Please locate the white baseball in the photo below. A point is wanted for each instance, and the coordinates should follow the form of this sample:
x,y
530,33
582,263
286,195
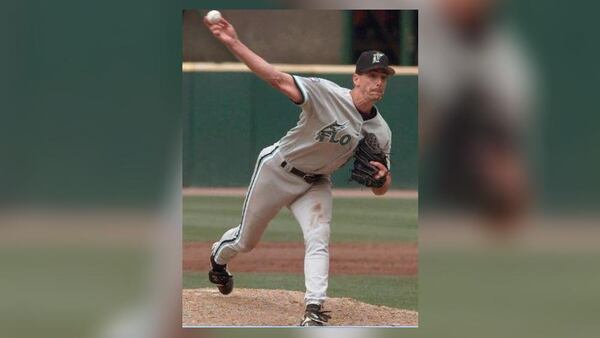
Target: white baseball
x,y
213,16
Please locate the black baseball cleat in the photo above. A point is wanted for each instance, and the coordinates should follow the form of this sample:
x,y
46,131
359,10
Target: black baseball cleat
x,y
313,316
221,277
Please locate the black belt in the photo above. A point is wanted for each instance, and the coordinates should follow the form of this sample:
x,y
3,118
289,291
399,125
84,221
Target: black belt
x,y
309,178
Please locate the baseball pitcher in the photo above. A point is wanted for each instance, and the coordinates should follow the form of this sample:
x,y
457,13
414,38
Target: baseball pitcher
x,y
335,125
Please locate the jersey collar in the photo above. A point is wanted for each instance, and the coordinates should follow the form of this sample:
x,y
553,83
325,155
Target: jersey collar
x,y
370,116
374,111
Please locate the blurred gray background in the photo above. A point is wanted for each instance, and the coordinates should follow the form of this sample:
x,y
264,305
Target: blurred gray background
x,y
91,228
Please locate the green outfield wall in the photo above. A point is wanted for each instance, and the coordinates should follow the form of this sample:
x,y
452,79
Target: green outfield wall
x,y
228,117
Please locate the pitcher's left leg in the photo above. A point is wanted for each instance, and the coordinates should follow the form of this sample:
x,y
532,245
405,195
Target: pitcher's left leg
x,y
313,212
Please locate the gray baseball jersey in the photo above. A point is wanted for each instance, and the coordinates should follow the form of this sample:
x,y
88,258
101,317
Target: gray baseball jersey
x,y
324,139
329,128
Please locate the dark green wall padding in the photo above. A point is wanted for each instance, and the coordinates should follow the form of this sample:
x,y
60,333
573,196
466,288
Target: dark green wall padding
x,y
229,117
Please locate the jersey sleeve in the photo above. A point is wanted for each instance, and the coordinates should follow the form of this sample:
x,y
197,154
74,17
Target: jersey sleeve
x,y
313,89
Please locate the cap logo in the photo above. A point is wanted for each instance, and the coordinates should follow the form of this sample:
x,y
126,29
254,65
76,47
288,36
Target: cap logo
x,y
376,57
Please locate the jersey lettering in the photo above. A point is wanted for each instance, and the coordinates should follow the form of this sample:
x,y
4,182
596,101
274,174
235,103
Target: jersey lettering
x,y
330,132
345,139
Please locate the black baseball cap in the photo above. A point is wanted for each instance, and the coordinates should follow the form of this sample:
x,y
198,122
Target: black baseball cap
x,y
371,60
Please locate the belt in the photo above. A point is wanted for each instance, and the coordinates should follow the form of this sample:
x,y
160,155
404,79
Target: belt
x,y
309,178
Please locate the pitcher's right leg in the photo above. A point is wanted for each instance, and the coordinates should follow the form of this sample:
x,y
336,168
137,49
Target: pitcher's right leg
x,y
257,212
234,240
270,189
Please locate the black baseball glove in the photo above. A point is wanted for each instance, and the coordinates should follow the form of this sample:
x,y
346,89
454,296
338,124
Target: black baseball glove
x,y
363,172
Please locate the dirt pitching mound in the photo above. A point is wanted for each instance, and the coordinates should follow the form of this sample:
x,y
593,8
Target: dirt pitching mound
x,y
258,307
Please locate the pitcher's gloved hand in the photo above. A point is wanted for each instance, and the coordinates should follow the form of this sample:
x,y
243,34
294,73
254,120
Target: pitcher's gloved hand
x,y
364,172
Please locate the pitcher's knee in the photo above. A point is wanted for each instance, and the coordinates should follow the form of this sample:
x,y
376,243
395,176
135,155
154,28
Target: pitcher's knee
x,y
317,241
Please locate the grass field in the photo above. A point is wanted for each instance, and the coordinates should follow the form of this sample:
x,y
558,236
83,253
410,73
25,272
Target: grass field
x,y
354,219
366,220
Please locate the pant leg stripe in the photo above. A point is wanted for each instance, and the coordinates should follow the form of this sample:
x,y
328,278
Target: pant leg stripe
x,y
248,194
254,175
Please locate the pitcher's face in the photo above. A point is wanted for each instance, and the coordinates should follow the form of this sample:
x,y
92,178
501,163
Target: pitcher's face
x,y
371,84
